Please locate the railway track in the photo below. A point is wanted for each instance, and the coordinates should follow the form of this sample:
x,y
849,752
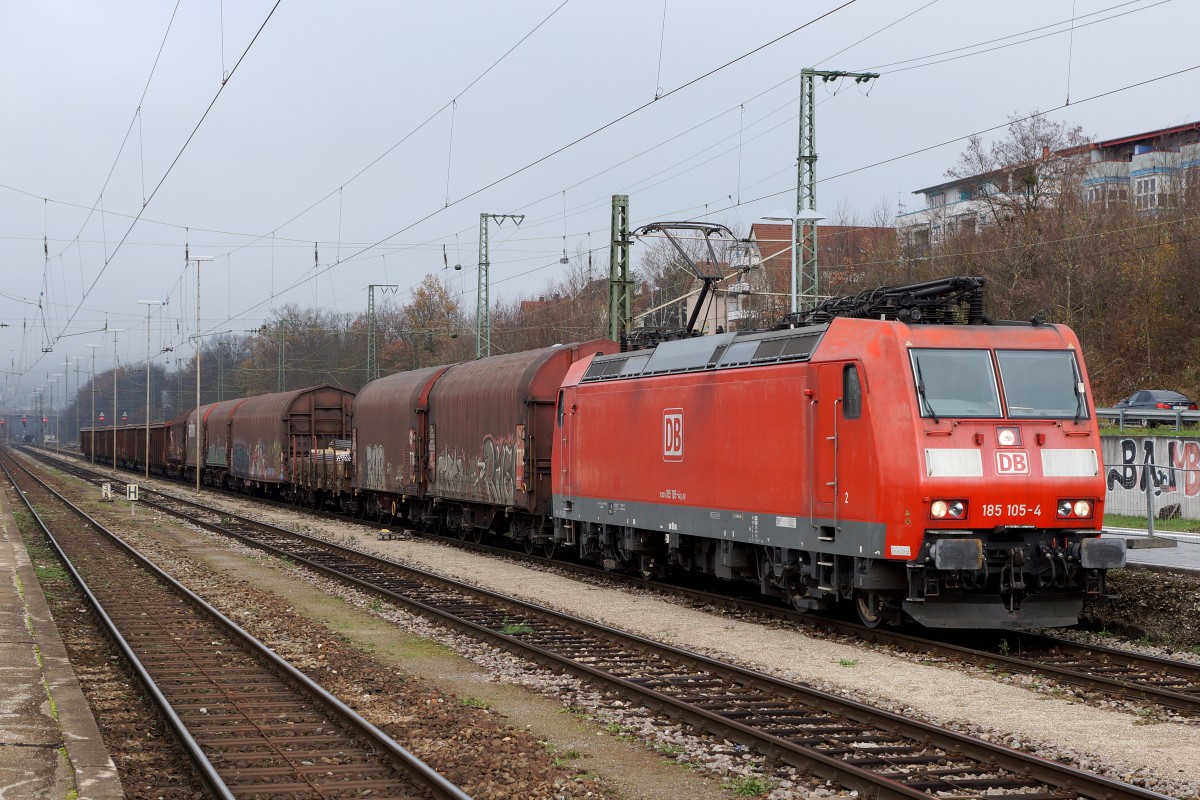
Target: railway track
x,y
1104,671
878,753
251,724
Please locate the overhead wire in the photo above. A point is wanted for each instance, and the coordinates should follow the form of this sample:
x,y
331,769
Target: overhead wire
x,y
580,139
304,240
830,178
420,126
109,257
136,117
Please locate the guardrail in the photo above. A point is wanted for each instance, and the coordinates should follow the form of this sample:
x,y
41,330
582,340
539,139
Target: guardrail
x,y
1149,417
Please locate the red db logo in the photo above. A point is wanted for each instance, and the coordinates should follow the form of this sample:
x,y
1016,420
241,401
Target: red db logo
x,y
673,434
1012,462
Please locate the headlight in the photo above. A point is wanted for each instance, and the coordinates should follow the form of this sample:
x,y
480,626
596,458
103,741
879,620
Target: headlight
x,y
1008,437
953,509
1074,509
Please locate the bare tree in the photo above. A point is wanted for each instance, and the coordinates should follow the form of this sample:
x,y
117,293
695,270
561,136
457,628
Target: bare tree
x,y
1037,160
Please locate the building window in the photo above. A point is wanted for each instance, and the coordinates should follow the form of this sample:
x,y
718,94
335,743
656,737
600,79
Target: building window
x,y
1108,193
1145,193
937,200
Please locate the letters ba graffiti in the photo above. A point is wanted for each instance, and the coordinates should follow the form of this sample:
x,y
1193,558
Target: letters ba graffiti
x,y
1179,474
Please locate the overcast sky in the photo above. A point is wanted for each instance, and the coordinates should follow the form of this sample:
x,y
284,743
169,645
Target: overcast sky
x,y
381,130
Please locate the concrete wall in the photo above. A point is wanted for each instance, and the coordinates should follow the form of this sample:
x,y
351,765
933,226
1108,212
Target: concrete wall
x,y
1172,466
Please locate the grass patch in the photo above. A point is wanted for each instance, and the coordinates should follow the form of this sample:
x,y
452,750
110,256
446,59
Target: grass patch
x,y
475,702
623,732
1177,525
847,662
419,646
748,786
514,628
1165,430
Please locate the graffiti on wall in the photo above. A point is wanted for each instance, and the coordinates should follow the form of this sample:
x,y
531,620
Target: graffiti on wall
x,y
1170,468
488,476
1177,473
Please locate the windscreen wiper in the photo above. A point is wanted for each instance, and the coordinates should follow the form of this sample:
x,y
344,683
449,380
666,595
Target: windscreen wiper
x,y
921,391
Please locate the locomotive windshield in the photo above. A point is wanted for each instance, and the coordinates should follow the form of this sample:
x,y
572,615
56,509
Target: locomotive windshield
x,y
956,383
1042,383
1045,384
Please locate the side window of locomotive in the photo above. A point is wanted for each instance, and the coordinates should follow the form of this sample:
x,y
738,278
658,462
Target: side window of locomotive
x,y
560,407
955,383
851,392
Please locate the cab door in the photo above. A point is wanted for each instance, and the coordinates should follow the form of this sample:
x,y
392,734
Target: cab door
x,y
826,410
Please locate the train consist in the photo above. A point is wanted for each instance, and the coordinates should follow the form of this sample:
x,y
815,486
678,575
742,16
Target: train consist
x,y
898,452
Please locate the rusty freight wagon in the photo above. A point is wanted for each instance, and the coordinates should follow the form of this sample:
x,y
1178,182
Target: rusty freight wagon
x,y
193,432
295,444
390,448
490,434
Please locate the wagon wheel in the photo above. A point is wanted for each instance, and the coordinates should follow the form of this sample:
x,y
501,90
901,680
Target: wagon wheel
x,y
870,608
549,547
477,535
463,533
530,544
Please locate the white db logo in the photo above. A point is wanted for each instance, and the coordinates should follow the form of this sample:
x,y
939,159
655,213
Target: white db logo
x,y
673,434
1012,462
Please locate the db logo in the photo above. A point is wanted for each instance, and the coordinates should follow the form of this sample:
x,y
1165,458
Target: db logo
x,y
673,434
1012,462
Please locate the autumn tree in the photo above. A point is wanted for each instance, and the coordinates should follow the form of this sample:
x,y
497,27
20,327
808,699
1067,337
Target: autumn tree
x,y
422,332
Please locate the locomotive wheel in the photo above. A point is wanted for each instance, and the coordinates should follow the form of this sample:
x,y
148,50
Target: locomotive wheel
x,y
870,608
530,545
797,595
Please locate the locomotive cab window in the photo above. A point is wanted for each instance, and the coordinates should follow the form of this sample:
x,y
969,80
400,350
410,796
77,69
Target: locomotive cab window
x,y
955,383
1042,384
560,407
851,393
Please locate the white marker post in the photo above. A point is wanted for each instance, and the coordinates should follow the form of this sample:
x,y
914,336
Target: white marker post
x,y
131,494
106,492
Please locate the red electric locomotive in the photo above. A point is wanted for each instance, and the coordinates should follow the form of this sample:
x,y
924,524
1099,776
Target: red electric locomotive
x,y
947,472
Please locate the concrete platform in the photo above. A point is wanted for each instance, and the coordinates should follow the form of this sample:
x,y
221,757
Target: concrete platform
x,y
1168,551
50,745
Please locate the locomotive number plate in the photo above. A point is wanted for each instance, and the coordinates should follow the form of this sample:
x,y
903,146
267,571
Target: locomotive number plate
x,y
1011,510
